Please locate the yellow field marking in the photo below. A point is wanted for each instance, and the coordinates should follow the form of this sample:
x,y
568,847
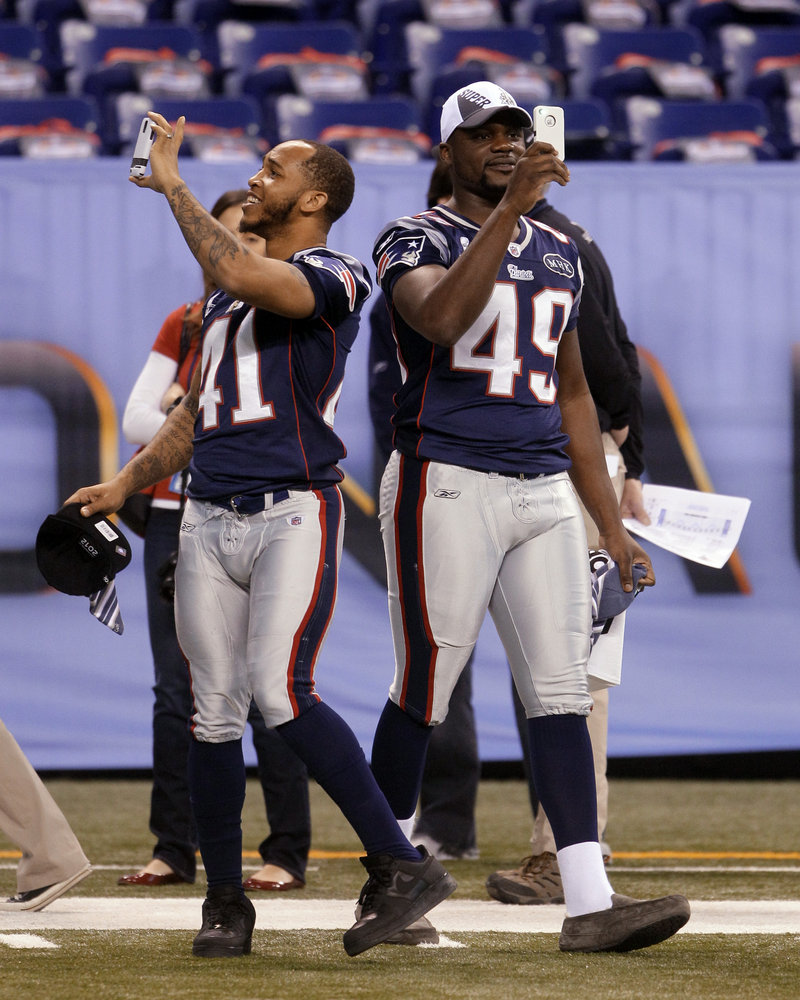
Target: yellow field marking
x,y
618,855
710,855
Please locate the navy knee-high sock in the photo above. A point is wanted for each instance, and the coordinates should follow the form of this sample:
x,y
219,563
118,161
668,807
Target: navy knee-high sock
x,y
398,758
563,772
217,782
334,758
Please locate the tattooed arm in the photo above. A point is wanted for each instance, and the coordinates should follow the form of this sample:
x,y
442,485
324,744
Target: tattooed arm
x,y
264,282
168,452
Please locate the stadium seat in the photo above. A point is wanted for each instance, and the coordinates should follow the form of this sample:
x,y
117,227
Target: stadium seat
x,y
553,15
51,127
382,24
48,16
103,58
592,54
750,53
589,133
314,59
22,69
709,16
388,128
217,128
763,63
515,58
699,132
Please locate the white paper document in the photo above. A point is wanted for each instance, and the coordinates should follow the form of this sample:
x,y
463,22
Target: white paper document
x,y
703,527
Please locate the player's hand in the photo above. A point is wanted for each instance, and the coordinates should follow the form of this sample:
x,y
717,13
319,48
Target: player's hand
x,y
625,551
619,435
104,498
632,502
536,168
164,171
174,393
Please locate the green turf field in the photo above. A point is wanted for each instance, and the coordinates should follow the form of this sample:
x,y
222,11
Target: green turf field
x,y
733,841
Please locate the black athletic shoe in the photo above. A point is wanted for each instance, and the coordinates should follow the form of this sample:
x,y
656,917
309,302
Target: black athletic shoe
x,y
228,921
394,896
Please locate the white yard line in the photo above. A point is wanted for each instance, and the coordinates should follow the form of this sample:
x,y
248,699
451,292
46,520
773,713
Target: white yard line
x,y
102,913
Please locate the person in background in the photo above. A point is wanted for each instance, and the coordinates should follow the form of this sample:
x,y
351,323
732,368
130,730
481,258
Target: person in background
x,y
52,858
161,385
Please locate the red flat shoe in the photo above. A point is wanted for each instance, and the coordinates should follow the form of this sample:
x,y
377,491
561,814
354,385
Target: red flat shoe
x,y
255,883
150,879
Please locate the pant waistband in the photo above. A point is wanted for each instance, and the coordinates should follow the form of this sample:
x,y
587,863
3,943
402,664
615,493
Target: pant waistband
x,y
252,505
522,475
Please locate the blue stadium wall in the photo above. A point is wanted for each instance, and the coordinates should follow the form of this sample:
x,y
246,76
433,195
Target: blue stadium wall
x,y
705,262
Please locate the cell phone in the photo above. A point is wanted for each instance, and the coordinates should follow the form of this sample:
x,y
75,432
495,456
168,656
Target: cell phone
x,y
548,126
141,151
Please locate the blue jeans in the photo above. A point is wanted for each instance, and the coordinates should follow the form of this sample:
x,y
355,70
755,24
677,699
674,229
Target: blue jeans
x,y
282,775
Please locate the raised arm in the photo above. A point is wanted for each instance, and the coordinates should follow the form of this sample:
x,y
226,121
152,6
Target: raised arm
x,y
269,284
443,303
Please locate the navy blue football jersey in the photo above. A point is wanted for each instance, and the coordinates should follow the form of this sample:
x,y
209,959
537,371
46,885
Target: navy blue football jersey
x,y
488,402
271,384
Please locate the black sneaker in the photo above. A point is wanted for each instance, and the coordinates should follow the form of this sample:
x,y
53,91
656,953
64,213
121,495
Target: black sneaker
x,y
395,894
228,921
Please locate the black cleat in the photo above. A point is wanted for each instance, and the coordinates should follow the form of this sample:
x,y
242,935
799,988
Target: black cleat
x,y
228,921
395,895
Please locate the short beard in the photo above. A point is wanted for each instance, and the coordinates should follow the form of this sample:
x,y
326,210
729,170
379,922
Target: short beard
x,y
272,219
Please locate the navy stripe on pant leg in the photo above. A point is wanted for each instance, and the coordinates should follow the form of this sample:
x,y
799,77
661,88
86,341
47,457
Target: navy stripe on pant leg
x,y
311,634
421,650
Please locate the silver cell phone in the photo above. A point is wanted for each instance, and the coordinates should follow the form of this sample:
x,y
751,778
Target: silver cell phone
x,y
141,152
548,126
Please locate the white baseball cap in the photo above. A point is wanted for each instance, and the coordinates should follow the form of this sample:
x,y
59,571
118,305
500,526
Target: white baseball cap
x,y
475,104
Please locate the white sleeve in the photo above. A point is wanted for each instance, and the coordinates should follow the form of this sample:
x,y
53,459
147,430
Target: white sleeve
x,y
143,416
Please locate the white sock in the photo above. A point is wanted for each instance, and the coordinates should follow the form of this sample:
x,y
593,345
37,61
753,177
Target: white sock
x,y
407,825
583,875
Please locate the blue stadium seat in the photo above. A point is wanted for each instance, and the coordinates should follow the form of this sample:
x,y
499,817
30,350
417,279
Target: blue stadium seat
x,y
701,132
23,72
86,48
55,126
750,54
48,16
391,126
216,127
763,63
382,24
589,133
250,57
709,16
436,52
553,15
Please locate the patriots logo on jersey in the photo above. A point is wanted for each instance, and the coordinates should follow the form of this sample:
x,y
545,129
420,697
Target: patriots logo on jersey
x,y
342,272
405,250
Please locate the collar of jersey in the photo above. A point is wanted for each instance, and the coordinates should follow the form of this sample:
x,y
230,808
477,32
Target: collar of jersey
x,y
465,223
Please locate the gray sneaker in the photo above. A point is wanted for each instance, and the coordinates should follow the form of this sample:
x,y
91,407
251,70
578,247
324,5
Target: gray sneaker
x,y
537,880
395,895
627,925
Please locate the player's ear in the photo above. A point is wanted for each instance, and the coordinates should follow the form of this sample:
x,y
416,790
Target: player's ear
x,y
444,152
313,201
